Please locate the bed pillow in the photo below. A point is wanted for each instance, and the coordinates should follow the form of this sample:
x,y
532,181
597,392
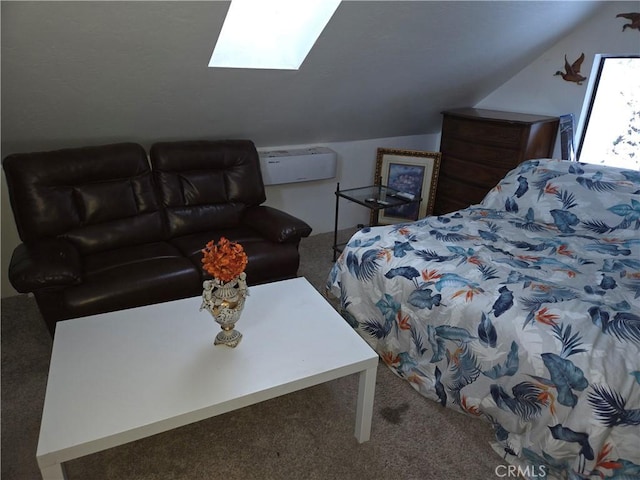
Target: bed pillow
x,y
570,196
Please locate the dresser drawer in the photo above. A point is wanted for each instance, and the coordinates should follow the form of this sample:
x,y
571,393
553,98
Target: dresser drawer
x,y
445,204
470,173
457,192
490,133
500,157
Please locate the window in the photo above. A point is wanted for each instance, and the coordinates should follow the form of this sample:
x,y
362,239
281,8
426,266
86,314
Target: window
x,y
609,125
274,34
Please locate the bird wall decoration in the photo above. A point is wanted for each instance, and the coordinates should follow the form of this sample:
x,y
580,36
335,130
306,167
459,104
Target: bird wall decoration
x,y
635,20
572,71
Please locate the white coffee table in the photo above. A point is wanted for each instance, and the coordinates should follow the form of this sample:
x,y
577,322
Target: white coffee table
x,y
122,376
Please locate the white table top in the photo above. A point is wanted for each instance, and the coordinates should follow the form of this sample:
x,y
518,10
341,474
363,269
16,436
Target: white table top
x,y
126,375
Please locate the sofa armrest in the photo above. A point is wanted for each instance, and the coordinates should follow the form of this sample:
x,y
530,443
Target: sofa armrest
x,y
46,263
276,225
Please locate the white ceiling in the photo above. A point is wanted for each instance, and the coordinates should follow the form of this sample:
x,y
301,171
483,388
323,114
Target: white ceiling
x,y
77,73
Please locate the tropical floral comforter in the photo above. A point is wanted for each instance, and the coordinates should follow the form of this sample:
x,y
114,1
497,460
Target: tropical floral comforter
x,y
523,310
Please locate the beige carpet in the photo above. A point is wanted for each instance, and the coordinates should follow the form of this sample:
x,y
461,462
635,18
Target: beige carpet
x,y
305,435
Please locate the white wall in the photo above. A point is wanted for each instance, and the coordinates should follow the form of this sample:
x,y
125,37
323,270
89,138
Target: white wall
x,y
314,202
536,90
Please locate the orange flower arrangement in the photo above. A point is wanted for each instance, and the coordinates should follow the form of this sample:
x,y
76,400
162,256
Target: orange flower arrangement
x,y
224,261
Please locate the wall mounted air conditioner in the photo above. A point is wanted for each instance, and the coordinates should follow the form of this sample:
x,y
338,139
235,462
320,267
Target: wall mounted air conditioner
x,y
297,165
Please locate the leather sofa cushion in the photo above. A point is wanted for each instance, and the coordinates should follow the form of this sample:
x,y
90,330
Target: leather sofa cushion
x,y
206,185
93,208
267,260
132,276
271,261
192,219
92,191
135,256
93,238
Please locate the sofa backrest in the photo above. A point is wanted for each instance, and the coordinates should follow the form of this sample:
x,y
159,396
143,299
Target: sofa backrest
x,y
98,197
205,185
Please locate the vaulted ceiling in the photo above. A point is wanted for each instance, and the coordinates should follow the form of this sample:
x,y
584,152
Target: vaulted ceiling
x,y
75,73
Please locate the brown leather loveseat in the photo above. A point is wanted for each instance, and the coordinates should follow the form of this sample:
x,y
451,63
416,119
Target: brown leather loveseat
x,y
105,228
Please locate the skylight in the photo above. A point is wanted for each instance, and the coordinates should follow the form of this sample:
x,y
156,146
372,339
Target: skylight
x,y
270,34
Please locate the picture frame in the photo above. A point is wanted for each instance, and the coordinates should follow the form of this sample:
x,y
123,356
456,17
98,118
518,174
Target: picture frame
x,y
566,137
410,171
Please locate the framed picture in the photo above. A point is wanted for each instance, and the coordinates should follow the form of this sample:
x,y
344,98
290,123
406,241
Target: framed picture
x,y
566,137
408,171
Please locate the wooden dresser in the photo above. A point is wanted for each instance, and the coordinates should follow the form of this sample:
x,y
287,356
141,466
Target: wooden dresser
x,y
480,146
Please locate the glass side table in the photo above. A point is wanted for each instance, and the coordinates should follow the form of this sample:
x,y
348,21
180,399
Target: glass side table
x,y
373,197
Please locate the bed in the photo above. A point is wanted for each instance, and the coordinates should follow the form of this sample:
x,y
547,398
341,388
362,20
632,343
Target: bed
x,y
523,310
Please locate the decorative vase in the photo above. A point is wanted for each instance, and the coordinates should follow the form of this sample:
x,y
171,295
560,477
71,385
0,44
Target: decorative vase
x,y
225,301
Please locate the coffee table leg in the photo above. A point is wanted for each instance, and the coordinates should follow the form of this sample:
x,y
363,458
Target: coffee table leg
x,y
53,472
364,411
